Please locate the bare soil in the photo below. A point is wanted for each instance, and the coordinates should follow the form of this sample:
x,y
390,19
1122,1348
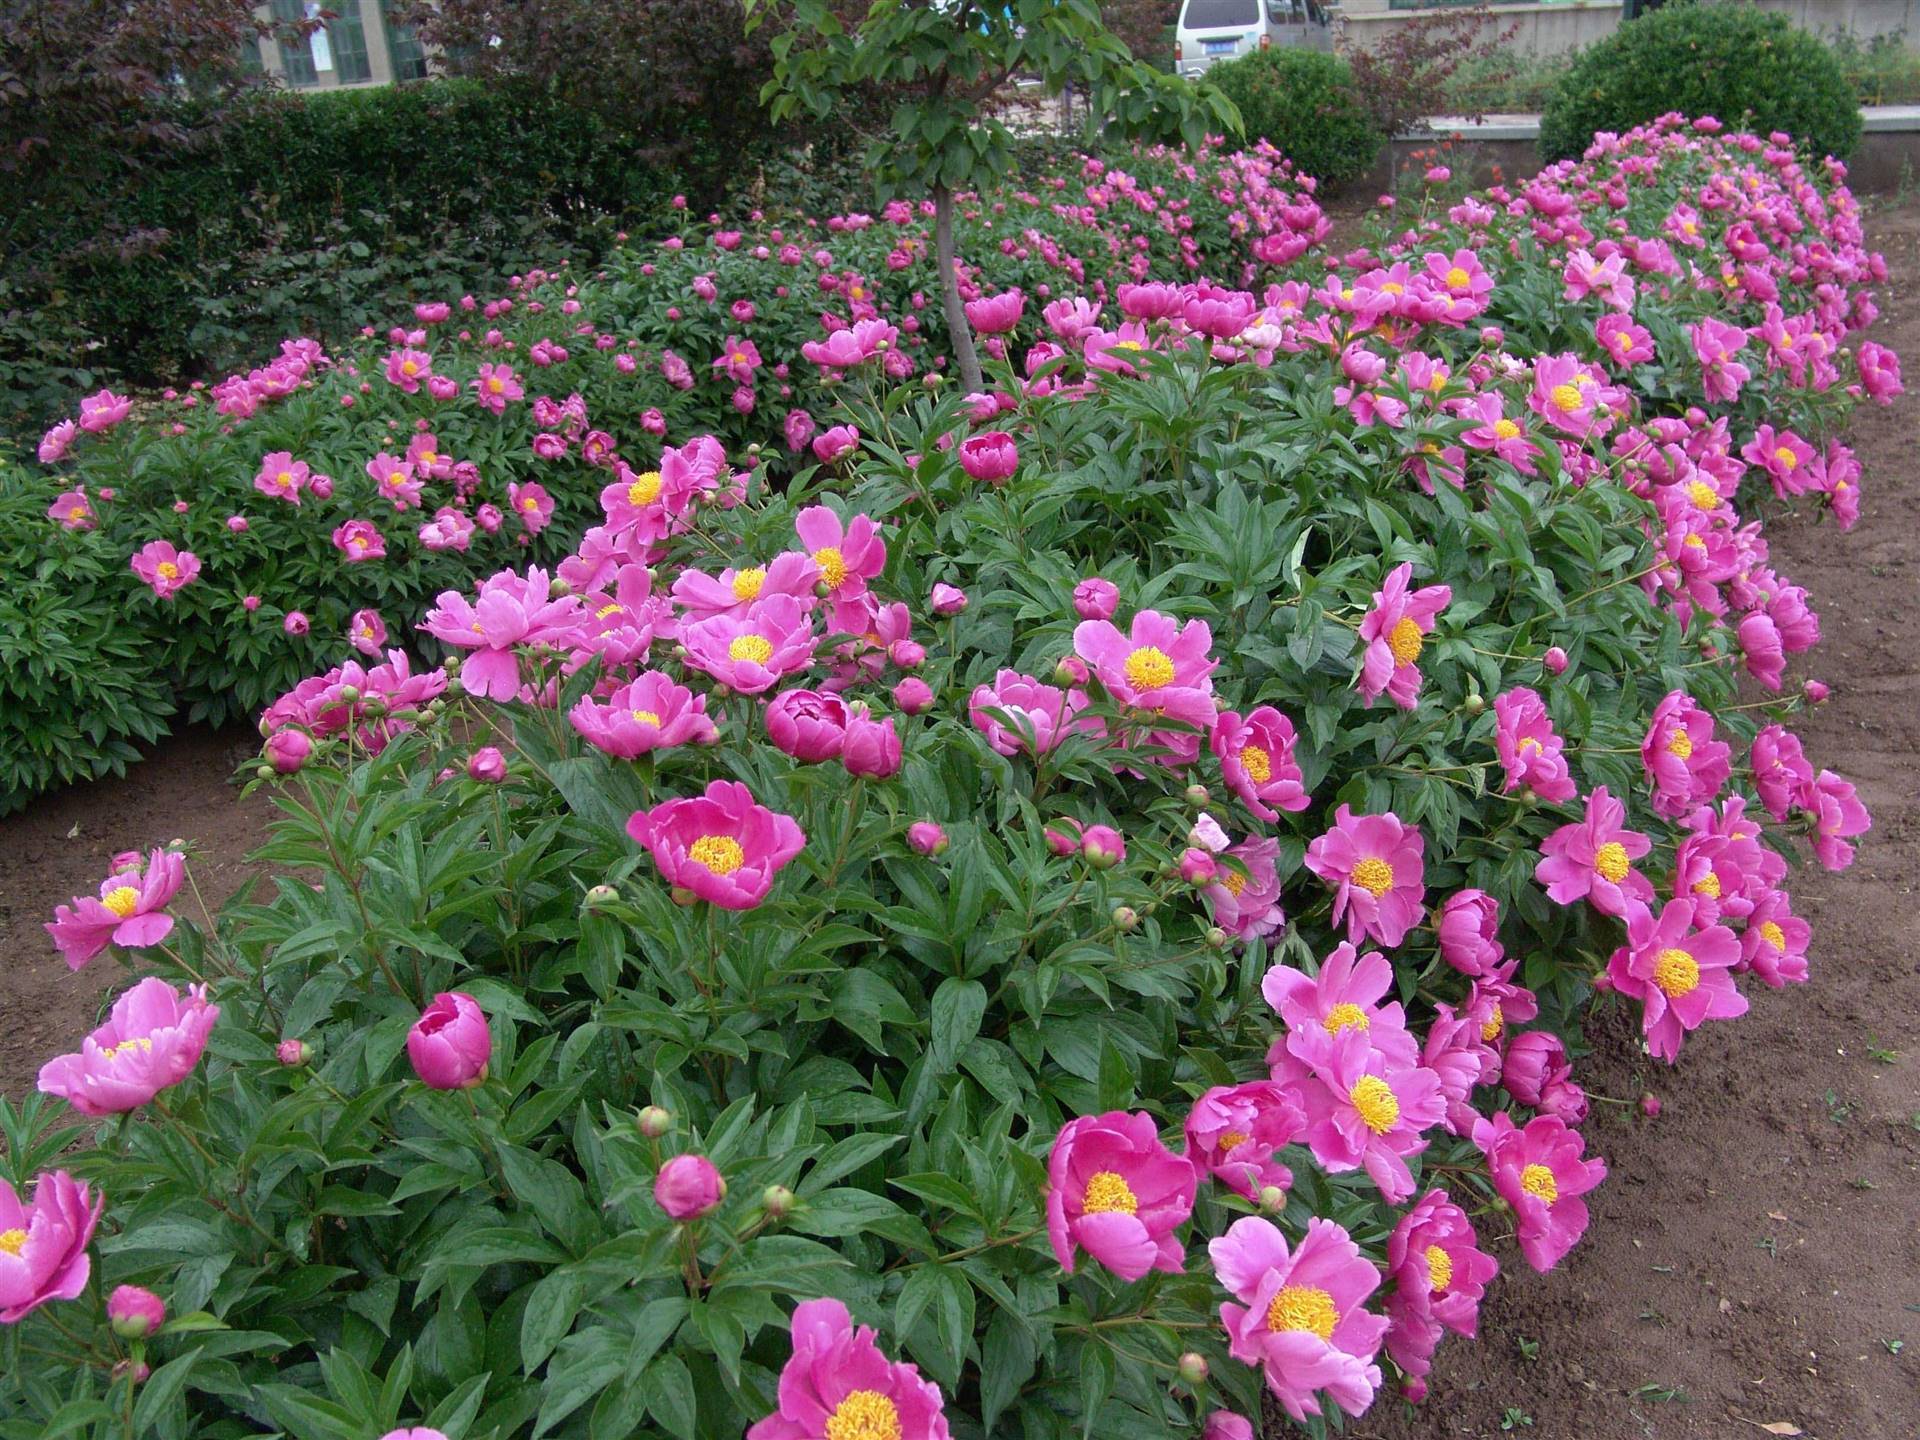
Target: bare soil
x,y
1753,1266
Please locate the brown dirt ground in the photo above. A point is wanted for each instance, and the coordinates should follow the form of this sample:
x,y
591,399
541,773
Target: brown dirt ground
x,y
1754,1260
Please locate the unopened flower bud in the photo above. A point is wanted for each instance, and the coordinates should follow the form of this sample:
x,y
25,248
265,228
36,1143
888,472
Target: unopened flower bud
x,y
1197,795
293,1053
1650,1106
1216,937
135,1313
1193,1368
1474,703
601,896
776,1200
1273,1199
654,1121
1126,918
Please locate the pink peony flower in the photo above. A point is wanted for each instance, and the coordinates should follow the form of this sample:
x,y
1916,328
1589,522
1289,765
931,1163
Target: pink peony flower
x,y
996,314
809,725
295,622
1244,895
1160,666
43,1245
947,599
1018,713
496,387
134,1312
1102,846
282,477
848,554
1345,994
1592,860
836,443
754,651
721,847
1096,599
926,838
166,569
688,1186
1302,1318
56,442
1838,816
532,504
102,410
1364,1111
129,913
367,632
1528,748
152,1039
1684,763
1879,372
1774,944
1256,756
359,540
838,1386
1234,1131
1395,630
73,510
1534,1060
508,611
408,369
1469,926
650,713
487,765
1540,1172
1439,1276
992,456
449,1045
1375,864
1116,1192
871,748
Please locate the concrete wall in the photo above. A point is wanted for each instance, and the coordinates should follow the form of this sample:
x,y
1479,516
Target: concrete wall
x,y
1542,29
1865,18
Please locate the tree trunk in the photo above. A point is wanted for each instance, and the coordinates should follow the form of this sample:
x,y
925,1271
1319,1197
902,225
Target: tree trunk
x,y
959,333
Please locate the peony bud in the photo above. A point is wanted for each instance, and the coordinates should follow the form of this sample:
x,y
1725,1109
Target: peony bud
x,y
688,1186
913,695
948,600
1197,867
1125,917
1197,795
927,837
601,896
1555,660
135,1313
487,765
1273,1199
776,1200
1650,1106
1095,598
1193,1368
1103,846
287,750
293,1053
654,1121
1216,937
449,1044
1816,691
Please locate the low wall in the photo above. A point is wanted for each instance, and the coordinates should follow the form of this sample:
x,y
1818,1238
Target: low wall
x,y
1549,29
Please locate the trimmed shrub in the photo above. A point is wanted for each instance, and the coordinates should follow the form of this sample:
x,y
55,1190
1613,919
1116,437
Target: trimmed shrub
x,y
1305,103
1068,874
1743,66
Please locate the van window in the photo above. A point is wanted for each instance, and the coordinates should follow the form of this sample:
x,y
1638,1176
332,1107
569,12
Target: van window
x,y
1220,14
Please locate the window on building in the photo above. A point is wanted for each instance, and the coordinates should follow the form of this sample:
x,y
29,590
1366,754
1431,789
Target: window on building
x,y
403,46
349,36
296,55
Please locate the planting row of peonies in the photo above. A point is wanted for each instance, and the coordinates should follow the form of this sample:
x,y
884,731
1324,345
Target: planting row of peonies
x,y
438,452
1075,909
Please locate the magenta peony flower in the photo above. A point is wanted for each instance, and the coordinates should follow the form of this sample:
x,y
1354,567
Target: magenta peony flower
x,y
996,314
947,600
1681,975
848,555
1096,599
1256,756
992,456
736,590
1346,994
152,1039
367,632
1469,926
408,368
1225,1425
688,1186
721,847
1233,1132
1160,665
1395,630
450,1045
1375,864
1365,1111
871,748
1774,944
1684,763
43,1246
1592,859
1534,1060
651,713
752,652
507,612
1439,1276
926,837
288,751
836,443
295,622
1529,750
1838,816
1116,1192
1245,894
359,540
913,695
1302,1318
129,912
282,477
164,568
1018,713
102,410
1540,1172
838,1386
532,504
487,765
809,725
135,1313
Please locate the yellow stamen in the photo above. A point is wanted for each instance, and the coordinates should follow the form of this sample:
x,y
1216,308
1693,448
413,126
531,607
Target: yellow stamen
x,y
719,853
1303,1307
747,583
1149,668
1538,1181
1612,862
1378,1106
756,648
1109,1194
1406,640
1257,763
864,1415
1373,875
645,488
1676,972
1345,1016
833,566
1439,1269
13,1241
122,900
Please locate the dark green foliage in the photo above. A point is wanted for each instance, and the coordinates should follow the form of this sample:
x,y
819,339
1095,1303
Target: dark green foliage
x,y
1306,104
1727,61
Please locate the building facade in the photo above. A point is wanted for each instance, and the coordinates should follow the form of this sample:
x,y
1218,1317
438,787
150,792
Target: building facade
x,y
363,45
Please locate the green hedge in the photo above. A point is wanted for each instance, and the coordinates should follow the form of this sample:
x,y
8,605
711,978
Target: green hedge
x,y
1728,61
1307,105
304,214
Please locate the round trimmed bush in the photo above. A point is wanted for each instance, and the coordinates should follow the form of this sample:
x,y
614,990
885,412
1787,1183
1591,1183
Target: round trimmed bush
x,y
1305,103
1727,61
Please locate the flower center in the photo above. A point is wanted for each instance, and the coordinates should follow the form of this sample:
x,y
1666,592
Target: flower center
x,y
1108,1193
647,717
864,1415
1680,743
645,488
284,478
1694,542
13,1241
1704,496
747,583
1708,885
409,367
1148,668
1234,881
529,504
1773,935
1788,460
1458,278
1257,763
1491,1027
1439,1268
1232,1141
1676,972
605,610
167,570
495,387
833,566
1538,1181
1504,429
719,853
1566,398
1376,1102
122,900
1303,1307
1405,640
141,1043
1611,861
1527,745
1373,875
1345,1016
756,648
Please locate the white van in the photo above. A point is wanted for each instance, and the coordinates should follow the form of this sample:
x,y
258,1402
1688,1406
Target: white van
x,y
1214,30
